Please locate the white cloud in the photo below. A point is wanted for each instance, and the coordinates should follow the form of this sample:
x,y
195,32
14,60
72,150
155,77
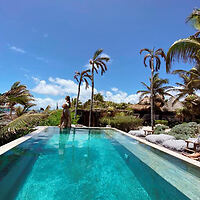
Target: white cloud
x,y
44,88
121,97
36,80
44,102
114,89
62,87
17,49
198,92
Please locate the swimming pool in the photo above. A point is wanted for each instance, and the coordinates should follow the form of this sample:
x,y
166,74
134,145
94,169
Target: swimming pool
x,y
91,164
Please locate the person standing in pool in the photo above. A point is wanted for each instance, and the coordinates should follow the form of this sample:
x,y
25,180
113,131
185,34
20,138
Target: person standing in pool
x,y
65,121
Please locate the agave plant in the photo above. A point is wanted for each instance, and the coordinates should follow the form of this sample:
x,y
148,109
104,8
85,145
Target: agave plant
x,y
81,77
153,56
97,62
187,49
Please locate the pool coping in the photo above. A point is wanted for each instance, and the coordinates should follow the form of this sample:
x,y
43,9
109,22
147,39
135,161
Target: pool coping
x,y
155,146
22,139
161,148
14,143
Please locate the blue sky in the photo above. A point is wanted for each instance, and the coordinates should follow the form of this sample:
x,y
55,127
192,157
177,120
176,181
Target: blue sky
x,y
44,42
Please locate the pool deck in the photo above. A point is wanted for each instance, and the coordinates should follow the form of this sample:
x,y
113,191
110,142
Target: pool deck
x,y
22,139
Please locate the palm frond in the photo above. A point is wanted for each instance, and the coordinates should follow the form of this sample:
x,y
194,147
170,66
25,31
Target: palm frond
x,y
145,58
143,94
97,53
194,18
185,49
149,88
161,53
23,121
103,59
145,49
86,83
158,63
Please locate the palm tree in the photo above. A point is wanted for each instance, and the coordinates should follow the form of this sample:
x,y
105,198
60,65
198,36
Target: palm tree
x,y
193,76
22,122
81,77
185,88
97,62
18,94
160,90
153,55
158,87
195,73
187,49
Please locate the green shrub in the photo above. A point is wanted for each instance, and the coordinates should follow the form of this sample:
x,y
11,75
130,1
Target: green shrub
x,y
164,122
125,123
54,119
160,129
185,130
9,136
198,121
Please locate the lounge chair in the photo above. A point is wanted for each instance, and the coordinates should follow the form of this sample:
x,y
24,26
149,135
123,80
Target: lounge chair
x,y
195,143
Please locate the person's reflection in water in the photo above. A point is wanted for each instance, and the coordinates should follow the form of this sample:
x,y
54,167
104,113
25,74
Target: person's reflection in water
x,y
63,138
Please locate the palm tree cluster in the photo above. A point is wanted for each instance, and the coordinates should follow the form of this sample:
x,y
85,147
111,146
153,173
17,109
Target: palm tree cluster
x,y
98,62
154,64
18,94
160,90
188,50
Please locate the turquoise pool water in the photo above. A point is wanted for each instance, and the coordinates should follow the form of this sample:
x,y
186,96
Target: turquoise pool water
x,y
83,164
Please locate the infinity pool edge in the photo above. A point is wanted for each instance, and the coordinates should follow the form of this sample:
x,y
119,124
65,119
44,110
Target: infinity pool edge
x,y
14,143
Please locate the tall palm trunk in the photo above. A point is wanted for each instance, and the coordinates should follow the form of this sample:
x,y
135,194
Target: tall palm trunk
x,y
92,96
11,109
152,97
77,99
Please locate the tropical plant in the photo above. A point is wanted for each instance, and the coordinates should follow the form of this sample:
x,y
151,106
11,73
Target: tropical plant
x,y
159,88
98,61
125,123
195,80
53,118
193,76
187,49
192,104
163,122
185,88
19,111
73,103
81,77
160,129
26,120
185,130
151,56
18,94
98,97
19,127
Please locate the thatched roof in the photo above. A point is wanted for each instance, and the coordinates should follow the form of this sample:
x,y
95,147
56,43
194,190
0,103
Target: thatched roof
x,y
145,101
170,107
138,107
